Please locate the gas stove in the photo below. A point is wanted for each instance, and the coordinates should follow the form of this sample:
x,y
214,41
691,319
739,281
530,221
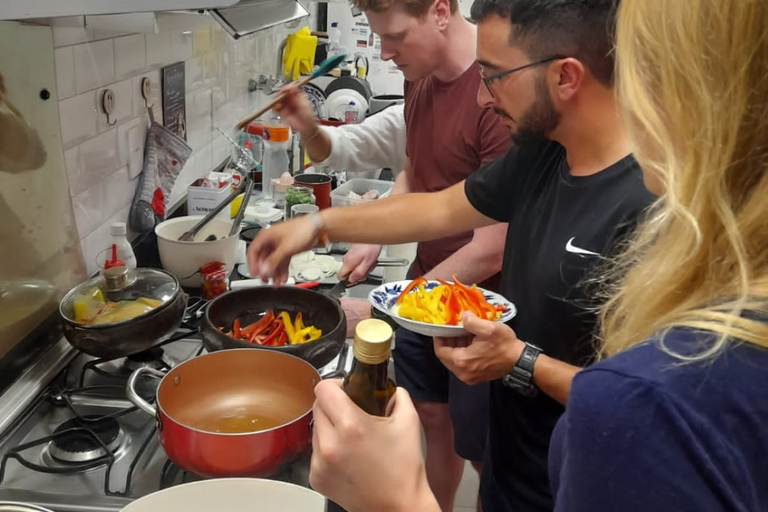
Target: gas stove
x,y
80,446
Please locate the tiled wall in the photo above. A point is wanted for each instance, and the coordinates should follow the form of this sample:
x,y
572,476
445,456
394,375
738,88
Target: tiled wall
x,y
96,153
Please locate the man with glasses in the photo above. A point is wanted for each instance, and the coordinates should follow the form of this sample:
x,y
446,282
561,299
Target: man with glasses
x,y
570,191
447,136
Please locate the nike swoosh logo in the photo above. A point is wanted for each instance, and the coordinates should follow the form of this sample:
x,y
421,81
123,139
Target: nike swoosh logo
x,y
578,250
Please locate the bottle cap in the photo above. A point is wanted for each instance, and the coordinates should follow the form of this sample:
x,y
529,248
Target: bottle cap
x,y
373,341
117,229
277,133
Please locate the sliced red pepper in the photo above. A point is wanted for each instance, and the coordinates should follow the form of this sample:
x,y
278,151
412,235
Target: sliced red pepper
x,y
411,286
282,339
236,328
274,334
452,308
259,325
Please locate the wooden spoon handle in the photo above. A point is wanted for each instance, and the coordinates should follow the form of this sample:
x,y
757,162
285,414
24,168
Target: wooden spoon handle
x,y
278,97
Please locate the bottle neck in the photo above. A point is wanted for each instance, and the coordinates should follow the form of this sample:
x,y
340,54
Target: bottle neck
x,y
376,374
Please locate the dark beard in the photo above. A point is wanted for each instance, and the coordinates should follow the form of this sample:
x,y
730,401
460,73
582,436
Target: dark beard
x,y
540,119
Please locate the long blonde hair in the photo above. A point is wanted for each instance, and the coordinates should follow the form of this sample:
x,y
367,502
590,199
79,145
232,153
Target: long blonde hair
x,y
693,83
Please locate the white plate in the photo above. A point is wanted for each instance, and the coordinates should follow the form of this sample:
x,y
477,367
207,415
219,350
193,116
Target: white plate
x,y
383,298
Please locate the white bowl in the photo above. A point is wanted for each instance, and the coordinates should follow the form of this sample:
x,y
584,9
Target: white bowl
x,y
183,259
383,298
231,495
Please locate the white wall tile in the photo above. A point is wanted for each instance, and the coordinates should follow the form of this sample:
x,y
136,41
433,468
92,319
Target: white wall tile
x,y
130,56
94,65
69,30
102,201
202,37
77,117
65,72
194,73
221,149
139,108
212,67
123,109
159,49
204,161
98,158
122,137
182,44
72,163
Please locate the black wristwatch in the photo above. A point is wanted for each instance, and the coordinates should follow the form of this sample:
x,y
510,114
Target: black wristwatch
x,y
521,377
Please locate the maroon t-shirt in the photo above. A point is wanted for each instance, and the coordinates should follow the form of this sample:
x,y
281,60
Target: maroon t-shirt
x,y
448,137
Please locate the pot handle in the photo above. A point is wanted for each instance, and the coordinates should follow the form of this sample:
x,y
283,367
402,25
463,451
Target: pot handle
x,y
133,396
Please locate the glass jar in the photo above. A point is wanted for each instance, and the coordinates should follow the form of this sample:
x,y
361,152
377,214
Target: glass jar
x,y
214,280
296,194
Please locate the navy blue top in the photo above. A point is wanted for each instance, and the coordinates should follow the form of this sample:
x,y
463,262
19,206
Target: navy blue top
x,y
644,432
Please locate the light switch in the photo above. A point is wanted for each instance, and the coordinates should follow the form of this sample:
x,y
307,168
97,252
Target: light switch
x,y
135,152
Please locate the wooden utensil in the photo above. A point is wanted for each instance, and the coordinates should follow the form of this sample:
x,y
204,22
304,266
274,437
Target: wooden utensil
x,y
326,66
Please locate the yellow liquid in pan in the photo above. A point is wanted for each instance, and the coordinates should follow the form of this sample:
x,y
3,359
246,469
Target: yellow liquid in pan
x,y
238,423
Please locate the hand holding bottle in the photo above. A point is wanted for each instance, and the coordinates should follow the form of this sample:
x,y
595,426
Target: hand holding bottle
x,y
367,463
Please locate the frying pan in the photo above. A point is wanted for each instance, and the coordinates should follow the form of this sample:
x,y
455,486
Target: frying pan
x,y
249,304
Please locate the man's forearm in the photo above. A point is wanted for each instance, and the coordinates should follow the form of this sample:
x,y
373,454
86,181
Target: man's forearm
x,y
404,218
317,145
401,185
554,377
480,259
470,264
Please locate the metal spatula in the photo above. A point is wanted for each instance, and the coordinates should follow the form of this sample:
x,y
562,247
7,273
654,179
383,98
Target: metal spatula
x,y
189,236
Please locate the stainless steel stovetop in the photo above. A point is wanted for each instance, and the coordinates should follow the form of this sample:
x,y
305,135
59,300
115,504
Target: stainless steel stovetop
x,y
111,448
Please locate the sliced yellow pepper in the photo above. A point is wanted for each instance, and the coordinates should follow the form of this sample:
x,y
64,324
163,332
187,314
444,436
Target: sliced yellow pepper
x,y
289,330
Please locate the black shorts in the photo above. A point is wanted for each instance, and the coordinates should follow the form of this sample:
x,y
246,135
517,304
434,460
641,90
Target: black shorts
x,y
418,370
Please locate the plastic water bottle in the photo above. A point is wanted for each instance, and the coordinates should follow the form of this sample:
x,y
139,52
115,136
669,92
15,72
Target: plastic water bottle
x,y
124,251
334,36
277,144
350,115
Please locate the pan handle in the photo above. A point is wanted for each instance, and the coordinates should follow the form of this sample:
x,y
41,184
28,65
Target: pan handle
x,y
133,396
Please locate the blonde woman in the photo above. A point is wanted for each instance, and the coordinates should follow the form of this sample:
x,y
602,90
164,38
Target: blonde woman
x,y
675,417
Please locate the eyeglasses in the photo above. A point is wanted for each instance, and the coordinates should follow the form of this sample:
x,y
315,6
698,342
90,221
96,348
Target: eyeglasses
x,y
488,79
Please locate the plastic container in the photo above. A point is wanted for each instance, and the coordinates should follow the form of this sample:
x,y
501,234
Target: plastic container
x,y
350,114
124,250
334,36
277,144
340,196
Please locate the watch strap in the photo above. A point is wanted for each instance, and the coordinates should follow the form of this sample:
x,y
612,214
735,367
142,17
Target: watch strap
x,y
521,376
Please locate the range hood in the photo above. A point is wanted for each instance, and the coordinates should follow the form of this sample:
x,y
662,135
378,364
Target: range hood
x,y
249,16
25,9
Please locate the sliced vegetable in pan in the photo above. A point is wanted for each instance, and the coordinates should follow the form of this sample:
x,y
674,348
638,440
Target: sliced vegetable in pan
x,y
274,330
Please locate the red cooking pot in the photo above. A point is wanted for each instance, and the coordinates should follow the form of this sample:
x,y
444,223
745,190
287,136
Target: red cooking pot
x,y
233,412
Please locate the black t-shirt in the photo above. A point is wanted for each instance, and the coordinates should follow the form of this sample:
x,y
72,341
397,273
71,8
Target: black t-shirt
x,y
560,228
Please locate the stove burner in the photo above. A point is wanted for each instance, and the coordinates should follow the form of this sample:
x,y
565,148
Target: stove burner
x,y
80,444
151,358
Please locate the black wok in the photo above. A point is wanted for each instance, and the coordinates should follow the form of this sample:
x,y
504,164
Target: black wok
x,y
249,304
